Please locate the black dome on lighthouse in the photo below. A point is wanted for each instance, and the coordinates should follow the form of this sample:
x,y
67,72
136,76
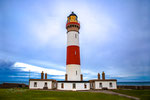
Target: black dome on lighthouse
x,y
72,14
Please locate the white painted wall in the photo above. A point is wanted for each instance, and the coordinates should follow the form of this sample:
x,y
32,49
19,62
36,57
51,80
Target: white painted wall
x,y
71,39
80,86
105,84
69,86
40,84
71,72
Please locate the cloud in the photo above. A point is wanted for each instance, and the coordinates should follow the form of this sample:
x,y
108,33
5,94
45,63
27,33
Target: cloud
x,y
58,77
32,68
49,32
46,64
58,74
89,72
20,76
96,24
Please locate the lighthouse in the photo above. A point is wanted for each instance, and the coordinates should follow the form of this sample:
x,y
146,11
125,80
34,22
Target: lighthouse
x,y
73,69
73,77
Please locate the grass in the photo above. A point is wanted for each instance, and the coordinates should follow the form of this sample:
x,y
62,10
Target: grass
x,y
142,94
26,94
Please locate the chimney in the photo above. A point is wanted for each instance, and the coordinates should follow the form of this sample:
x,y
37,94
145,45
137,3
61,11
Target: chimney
x,y
98,76
81,77
66,77
103,75
45,75
42,75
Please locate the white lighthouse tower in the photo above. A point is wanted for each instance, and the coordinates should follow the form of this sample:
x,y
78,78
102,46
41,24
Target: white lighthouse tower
x,y
73,77
73,70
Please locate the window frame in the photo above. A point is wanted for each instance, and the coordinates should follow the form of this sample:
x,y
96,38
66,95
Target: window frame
x,y
74,85
45,84
110,84
35,84
85,85
62,85
100,85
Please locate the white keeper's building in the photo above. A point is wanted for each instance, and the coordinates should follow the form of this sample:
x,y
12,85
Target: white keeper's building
x,y
73,77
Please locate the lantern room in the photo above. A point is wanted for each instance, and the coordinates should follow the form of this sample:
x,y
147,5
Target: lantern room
x,y
72,22
72,18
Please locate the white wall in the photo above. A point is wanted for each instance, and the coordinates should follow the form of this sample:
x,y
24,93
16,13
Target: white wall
x,y
71,39
40,84
71,72
105,84
69,86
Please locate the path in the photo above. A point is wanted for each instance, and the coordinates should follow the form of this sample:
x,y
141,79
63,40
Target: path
x,y
114,93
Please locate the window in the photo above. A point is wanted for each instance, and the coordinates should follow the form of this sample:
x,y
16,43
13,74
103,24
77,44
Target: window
x,y
35,84
91,85
74,85
85,85
75,53
76,72
45,85
100,84
75,35
62,85
54,84
110,84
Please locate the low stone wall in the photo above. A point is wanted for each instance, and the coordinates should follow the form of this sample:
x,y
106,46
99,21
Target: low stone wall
x,y
12,85
133,87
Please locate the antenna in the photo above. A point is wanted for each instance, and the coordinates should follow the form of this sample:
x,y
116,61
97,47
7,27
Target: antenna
x,y
29,74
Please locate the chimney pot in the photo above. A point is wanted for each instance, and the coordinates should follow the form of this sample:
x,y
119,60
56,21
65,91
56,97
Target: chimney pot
x,y
98,76
66,77
42,75
45,75
103,75
81,77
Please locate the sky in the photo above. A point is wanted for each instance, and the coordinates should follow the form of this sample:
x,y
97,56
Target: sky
x,y
114,38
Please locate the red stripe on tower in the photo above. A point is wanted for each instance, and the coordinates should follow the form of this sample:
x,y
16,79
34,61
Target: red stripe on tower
x,y
73,55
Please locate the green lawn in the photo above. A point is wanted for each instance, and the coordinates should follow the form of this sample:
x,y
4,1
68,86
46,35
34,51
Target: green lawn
x,y
26,94
142,94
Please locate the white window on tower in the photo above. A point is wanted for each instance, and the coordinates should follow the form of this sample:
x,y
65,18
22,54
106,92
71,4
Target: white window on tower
x,y
76,72
75,35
